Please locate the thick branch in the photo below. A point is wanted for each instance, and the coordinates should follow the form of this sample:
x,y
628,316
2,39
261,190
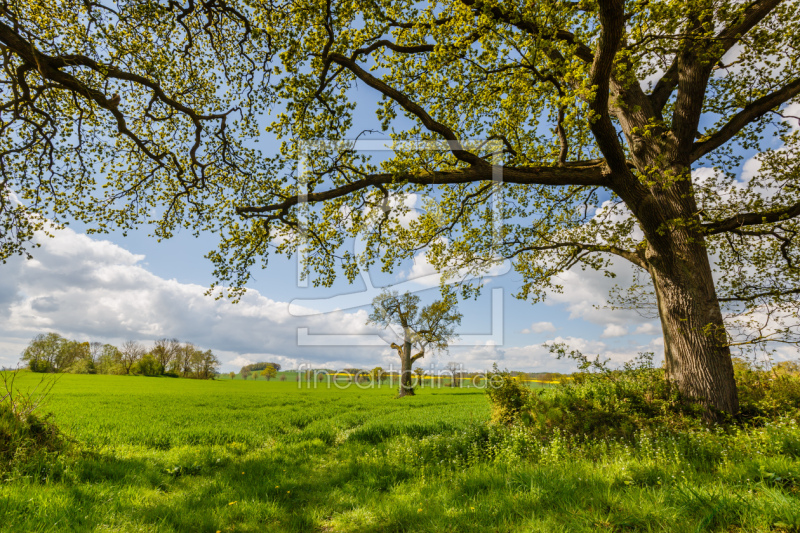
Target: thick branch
x,y
49,67
400,49
412,107
747,115
585,173
752,15
694,70
612,20
752,219
631,256
751,297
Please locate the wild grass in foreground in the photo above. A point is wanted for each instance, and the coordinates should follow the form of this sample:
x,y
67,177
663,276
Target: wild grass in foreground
x,y
173,455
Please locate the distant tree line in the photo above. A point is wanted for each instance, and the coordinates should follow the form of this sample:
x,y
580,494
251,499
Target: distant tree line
x,y
267,370
50,352
261,366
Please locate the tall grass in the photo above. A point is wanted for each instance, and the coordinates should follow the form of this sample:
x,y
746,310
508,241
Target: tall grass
x,y
29,442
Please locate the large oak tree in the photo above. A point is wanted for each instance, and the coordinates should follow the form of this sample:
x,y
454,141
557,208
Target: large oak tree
x,y
118,113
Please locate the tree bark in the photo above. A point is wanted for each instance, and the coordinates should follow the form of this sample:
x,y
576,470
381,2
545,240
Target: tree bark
x,y
698,360
406,388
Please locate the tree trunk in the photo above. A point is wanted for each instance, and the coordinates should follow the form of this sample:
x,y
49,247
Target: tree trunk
x,y
698,361
406,388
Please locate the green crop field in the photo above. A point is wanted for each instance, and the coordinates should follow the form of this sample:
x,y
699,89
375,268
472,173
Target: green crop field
x,y
163,455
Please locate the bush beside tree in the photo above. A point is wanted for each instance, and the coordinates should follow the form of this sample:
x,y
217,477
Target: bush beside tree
x,y
601,403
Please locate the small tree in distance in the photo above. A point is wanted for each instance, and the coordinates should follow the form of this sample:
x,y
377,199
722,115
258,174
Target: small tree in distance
x,y
353,373
453,369
131,352
269,372
420,376
429,328
165,351
377,374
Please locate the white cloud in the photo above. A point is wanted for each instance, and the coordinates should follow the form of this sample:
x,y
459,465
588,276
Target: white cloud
x,y
537,358
792,114
540,327
586,295
95,290
647,329
614,330
423,272
240,361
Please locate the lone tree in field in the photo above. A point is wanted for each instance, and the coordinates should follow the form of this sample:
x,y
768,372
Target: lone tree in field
x,y
430,328
618,132
419,375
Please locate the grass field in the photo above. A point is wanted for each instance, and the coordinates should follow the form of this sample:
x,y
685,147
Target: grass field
x,y
164,455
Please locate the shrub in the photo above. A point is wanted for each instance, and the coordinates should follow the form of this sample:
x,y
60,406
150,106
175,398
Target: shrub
x,y
597,402
764,392
40,366
509,396
82,366
28,442
147,366
600,403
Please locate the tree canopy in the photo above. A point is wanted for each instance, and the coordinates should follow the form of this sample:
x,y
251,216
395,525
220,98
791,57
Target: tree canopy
x,y
619,129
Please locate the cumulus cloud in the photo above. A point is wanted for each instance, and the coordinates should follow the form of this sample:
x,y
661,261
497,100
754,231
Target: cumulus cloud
x,y
614,330
586,295
95,290
540,327
424,274
647,329
537,357
241,361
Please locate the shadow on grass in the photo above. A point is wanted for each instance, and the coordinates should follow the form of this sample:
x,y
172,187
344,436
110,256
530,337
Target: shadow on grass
x,y
358,487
